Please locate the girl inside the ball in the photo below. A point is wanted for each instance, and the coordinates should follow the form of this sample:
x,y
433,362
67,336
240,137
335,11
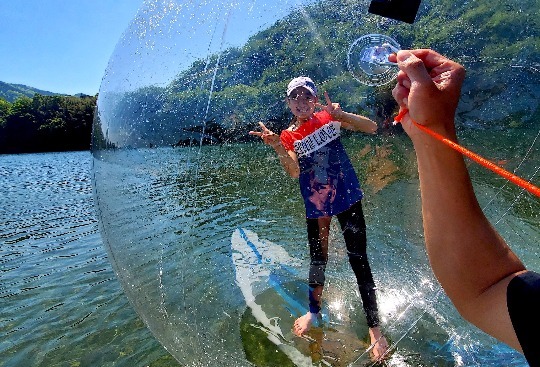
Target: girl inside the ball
x,y
310,150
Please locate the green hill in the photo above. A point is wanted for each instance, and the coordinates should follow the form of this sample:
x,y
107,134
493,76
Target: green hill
x,y
497,41
10,92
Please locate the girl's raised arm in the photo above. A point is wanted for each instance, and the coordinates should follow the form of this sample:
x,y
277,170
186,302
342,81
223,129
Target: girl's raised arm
x,y
287,158
349,121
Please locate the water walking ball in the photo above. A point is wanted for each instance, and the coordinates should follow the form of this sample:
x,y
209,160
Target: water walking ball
x,y
202,227
176,174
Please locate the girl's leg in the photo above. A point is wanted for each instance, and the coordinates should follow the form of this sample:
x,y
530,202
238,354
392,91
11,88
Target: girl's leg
x,y
353,225
318,230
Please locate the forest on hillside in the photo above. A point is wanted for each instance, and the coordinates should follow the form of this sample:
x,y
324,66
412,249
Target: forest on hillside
x,y
240,84
10,92
46,123
222,96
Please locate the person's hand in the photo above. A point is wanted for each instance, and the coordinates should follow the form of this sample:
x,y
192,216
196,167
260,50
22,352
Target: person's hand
x,y
268,136
429,86
334,109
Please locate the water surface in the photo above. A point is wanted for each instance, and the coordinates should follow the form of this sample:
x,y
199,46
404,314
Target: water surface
x,y
63,305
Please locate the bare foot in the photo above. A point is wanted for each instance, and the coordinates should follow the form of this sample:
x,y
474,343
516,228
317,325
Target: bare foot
x,y
303,323
380,345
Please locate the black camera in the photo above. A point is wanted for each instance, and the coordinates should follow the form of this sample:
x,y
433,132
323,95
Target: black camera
x,y
403,10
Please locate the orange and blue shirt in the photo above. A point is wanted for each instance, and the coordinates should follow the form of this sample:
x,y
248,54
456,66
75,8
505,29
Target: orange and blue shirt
x,y
328,182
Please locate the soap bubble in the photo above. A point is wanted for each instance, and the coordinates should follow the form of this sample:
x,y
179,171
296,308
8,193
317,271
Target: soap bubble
x,y
184,193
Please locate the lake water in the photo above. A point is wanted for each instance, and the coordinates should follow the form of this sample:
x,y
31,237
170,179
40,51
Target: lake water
x,y
61,302
63,305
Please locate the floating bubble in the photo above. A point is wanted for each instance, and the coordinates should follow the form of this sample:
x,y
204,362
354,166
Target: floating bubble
x,y
367,59
206,233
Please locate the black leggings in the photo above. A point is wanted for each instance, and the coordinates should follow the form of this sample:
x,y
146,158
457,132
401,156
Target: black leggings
x,y
353,226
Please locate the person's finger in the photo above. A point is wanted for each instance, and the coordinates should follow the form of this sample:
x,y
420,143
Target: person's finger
x,y
327,98
402,89
320,105
429,57
414,67
263,127
256,133
443,71
434,62
403,79
400,94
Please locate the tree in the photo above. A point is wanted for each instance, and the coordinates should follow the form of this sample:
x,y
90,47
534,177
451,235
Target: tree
x,y
46,123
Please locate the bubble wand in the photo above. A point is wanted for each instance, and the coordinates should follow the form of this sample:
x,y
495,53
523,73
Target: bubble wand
x,y
475,157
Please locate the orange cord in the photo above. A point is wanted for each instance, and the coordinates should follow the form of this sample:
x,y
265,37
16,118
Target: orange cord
x,y
475,157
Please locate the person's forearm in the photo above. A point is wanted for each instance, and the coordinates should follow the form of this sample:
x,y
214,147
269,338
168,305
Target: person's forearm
x,y
457,232
357,122
471,261
288,163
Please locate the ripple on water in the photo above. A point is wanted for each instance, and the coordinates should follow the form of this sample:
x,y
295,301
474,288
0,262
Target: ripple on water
x,y
64,302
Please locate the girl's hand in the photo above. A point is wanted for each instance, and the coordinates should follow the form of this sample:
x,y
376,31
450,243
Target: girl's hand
x,y
334,109
268,136
288,159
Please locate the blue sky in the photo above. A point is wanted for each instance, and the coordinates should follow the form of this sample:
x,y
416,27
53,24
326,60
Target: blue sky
x,y
61,46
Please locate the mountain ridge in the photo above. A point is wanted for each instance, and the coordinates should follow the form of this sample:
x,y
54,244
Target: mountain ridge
x,y
245,84
11,91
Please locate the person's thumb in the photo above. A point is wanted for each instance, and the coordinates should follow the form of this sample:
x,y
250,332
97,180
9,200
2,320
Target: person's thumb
x,y
413,67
